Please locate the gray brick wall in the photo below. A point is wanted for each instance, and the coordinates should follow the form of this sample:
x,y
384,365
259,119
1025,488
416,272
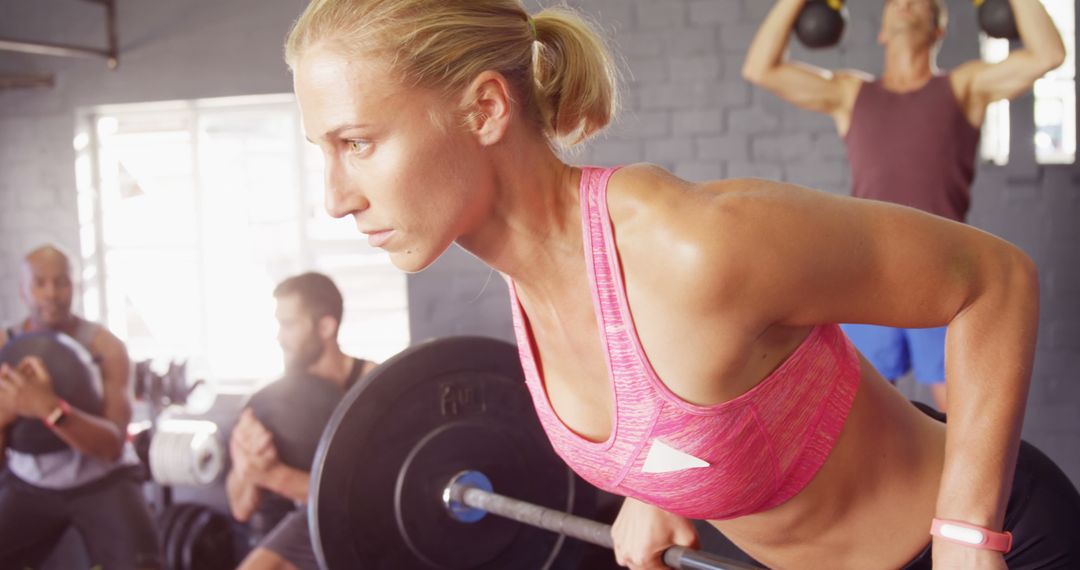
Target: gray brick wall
x,y
169,51
35,207
682,62
686,108
1043,218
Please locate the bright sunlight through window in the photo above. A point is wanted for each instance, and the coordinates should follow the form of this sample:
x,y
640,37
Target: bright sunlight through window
x,y
190,214
1055,99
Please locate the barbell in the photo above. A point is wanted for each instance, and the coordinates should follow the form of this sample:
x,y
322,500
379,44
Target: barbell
x,y
387,488
468,497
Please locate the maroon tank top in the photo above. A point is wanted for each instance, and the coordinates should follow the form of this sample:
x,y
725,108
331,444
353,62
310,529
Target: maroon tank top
x,y
915,148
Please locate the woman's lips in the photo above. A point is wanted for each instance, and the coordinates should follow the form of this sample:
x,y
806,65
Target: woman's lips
x,y
378,238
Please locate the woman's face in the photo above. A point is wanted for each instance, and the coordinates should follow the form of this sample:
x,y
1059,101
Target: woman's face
x,y
399,159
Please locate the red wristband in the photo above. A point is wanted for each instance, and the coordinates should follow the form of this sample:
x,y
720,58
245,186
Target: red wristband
x,y
971,535
58,414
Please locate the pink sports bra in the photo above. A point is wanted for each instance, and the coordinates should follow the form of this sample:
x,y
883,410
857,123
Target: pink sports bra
x,y
716,462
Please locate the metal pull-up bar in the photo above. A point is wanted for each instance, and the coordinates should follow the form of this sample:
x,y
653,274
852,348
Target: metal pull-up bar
x,y
110,54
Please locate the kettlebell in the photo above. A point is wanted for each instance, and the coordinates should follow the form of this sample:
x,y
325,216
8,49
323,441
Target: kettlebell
x,y
996,19
821,23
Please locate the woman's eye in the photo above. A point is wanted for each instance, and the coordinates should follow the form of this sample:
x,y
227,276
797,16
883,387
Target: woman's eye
x,y
357,146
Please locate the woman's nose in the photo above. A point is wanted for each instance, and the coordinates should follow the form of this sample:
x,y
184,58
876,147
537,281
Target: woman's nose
x,y
342,195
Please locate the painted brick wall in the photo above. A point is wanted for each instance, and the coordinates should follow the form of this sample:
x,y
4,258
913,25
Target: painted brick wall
x,y
685,108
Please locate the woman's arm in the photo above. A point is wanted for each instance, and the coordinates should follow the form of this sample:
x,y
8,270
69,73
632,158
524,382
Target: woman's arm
x,y
642,532
766,254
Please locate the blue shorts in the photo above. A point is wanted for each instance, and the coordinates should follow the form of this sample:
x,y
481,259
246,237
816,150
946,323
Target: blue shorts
x,y
894,352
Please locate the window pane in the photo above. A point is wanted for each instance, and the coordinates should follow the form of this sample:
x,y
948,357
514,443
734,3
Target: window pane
x,y
146,188
994,143
153,301
1055,121
1055,95
205,206
1055,99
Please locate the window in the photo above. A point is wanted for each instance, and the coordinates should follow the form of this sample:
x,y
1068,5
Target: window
x,y
995,131
190,214
1055,99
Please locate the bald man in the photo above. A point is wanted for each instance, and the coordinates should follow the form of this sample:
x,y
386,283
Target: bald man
x,y
93,485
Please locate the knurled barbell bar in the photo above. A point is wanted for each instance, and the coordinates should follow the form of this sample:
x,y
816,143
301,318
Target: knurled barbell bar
x,y
469,496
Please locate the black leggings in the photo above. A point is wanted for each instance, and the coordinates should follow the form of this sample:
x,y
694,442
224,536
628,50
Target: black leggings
x,y
1043,514
110,514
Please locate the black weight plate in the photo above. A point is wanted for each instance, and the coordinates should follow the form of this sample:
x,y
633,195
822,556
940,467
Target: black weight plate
x,y
399,436
209,543
296,409
71,369
165,522
174,543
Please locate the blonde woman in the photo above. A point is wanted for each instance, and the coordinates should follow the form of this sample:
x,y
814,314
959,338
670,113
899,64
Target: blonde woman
x,y
679,339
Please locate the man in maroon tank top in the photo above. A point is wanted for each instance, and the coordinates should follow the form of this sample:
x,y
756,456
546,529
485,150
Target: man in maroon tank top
x,y
911,134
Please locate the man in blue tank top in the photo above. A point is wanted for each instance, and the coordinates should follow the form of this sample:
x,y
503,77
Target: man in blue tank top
x,y
911,134
93,484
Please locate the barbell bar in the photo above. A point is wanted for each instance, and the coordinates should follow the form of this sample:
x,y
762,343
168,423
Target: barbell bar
x,y
469,496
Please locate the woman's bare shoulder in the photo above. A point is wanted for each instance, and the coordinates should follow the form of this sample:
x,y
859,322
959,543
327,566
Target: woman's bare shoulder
x,y
698,236
649,196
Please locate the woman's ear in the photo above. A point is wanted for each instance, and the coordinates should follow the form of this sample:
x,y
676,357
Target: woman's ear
x,y
489,107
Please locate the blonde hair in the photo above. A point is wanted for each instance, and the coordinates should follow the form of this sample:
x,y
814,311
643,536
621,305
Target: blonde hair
x,y
557,64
